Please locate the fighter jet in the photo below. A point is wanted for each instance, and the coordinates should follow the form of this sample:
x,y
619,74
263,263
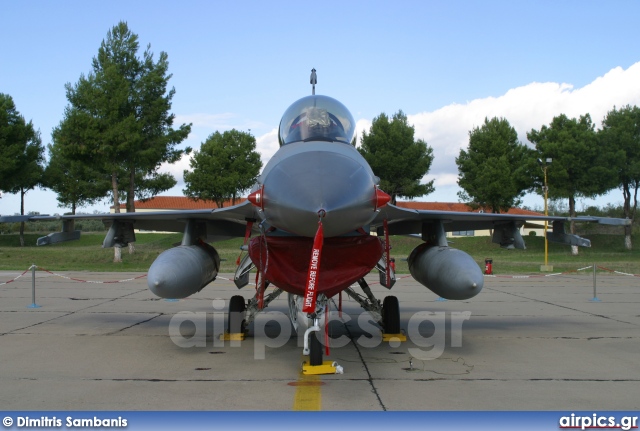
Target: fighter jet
x,y
315,224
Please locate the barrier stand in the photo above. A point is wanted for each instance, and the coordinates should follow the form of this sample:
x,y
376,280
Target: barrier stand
x,y
33,282
594,267
595,297
33,287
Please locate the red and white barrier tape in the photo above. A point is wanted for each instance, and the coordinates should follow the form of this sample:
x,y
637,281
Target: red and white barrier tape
x,y
373,283
560,273
617,272
75,279
11,281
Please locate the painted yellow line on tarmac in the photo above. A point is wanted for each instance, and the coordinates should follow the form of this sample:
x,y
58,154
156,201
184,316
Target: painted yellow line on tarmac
x,y
308,393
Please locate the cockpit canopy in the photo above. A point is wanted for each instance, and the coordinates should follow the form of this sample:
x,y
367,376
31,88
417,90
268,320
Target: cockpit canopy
x,y
316,118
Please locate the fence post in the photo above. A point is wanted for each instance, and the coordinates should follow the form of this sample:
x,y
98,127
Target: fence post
x,y
595,297
33,288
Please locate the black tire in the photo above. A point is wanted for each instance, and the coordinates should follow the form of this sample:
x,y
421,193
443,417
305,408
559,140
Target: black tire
x,y
391,315
315,349
237,308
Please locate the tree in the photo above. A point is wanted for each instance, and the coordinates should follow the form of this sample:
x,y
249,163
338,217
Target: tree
x,y
13,134
118,119
75,182
226,165
580,167
621,132
494,171
158,138
396,157
21,154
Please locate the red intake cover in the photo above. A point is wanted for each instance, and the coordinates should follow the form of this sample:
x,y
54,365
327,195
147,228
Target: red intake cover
x,y
344,261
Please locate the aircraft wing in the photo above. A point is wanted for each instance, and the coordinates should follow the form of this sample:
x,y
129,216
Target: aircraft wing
x,y
428,224
214,224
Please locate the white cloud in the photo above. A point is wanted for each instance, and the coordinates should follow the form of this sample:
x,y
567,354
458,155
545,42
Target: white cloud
x,y
177,169
527,107
267,145
362,125
443,180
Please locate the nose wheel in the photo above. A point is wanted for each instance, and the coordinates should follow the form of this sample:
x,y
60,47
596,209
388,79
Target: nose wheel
x,y
315,349
391,315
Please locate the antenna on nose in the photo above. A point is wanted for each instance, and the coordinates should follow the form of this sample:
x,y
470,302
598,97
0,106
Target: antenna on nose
x,y
314,81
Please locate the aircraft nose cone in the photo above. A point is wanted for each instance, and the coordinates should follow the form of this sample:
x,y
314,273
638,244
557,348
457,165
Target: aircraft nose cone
x,y
305,183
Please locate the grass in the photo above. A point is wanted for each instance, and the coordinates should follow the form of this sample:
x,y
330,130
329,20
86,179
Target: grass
x,y
87,254
606,250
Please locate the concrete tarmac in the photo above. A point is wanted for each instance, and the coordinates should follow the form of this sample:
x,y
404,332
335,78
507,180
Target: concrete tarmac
x,y
534,343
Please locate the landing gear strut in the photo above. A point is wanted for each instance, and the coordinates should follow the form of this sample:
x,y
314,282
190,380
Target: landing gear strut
x,y
313,346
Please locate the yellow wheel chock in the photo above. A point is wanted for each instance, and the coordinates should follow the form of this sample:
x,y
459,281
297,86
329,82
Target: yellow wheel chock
x,y
327,367
393,337
237,336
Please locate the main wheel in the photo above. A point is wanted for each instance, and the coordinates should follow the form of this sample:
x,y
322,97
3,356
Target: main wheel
x,y
315,349
391,315
237,308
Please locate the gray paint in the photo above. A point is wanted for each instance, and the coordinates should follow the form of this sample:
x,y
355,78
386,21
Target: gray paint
x,y
306,177
183,271
448,272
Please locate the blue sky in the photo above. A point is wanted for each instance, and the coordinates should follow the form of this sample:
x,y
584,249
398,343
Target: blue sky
x,y
446,64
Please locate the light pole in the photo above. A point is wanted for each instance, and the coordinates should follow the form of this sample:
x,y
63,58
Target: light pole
x,y
544,165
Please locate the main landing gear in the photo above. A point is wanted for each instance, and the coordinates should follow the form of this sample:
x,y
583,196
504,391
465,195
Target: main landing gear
x,y
237,325
386,314
242,313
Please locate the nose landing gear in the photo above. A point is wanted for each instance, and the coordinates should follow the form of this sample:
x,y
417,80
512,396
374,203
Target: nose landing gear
x,y
313,347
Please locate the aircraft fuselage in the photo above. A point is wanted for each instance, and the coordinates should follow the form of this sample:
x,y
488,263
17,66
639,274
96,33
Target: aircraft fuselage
x,y
305,181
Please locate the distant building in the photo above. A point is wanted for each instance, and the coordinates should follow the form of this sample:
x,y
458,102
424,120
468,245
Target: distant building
x,y
538,229
177,203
